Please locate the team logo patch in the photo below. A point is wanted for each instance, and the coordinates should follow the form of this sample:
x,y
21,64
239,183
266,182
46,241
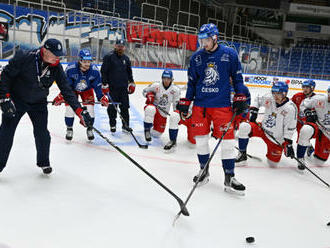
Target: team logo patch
x,y
163,101
225,57
271,121
82,85
211,74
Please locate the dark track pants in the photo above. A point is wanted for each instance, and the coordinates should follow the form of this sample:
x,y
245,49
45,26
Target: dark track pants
x,y
119,95
39,118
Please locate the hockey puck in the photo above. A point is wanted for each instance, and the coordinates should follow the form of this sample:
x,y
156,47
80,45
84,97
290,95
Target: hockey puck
x,y
249,239
328,224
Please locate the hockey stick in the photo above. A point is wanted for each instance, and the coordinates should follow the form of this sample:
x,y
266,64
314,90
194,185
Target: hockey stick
x,y
163,110
205,167
250,156
183,208
143,146
295,158
111,103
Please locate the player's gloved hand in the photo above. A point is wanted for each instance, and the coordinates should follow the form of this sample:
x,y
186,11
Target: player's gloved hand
x,y
150,97
131,88
85,119
183,107
253,114
239,103
58,100
288,148
104,101
7,107
105,89
311,115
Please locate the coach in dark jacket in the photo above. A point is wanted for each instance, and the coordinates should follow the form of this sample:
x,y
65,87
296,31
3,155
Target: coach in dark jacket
x,y
117,78
24,87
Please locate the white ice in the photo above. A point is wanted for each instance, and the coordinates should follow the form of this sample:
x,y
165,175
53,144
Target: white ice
x,y
97,198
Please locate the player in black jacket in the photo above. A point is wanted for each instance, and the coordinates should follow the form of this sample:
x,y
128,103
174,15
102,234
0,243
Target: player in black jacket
x,y
24,87
117,78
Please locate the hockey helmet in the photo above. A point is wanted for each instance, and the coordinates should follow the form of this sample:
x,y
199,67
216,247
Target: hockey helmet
x,y
167,74
280,87
308,83
85,54
208,30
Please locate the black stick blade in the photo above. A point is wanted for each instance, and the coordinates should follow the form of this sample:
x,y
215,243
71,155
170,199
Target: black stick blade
x,y
143,146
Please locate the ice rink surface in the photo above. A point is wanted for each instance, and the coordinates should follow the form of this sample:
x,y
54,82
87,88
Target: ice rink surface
x,y
97,198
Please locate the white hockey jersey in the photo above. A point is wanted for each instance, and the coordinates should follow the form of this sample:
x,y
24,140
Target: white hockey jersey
x,y
280,121
164,97
322,107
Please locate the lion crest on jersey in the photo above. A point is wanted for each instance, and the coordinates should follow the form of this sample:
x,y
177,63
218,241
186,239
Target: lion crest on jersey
x,y
271,121
82,85
211,74
163,101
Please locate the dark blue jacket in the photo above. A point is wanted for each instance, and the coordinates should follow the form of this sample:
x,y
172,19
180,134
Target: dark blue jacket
x,y
116,70
20,79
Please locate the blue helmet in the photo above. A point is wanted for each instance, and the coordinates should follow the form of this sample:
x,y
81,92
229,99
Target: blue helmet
x,y
280,87
85,54
208,30
308,83
167,74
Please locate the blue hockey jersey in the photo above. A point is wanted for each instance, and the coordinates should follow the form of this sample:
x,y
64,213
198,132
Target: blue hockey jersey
x,y
209,77
82,81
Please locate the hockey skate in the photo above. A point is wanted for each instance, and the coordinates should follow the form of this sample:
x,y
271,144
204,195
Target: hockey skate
x,y
170,145
241,158
46,169
90,134
126,129
69,133
113,129
202,177
301,167
233,186
147,135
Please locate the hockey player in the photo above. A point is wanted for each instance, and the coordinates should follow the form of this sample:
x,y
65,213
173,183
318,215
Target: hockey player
x,y
308,87
317,112
84,78
280,120
209,88
160,97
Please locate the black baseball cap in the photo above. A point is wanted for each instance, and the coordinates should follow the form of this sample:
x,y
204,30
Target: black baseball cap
x,y
55,46
120,42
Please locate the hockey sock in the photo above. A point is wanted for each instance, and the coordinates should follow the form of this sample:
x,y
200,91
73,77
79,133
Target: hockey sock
x,y
203,159
242,144
147,125
173,134
301,151
69,121
93,119
228,166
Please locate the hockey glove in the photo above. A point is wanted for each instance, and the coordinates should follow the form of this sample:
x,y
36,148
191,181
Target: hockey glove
x,y
85,119
239,103
131,88
58,100
105,89
183,107
104,101
288,148
311,115
254,114
150,97
7,107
